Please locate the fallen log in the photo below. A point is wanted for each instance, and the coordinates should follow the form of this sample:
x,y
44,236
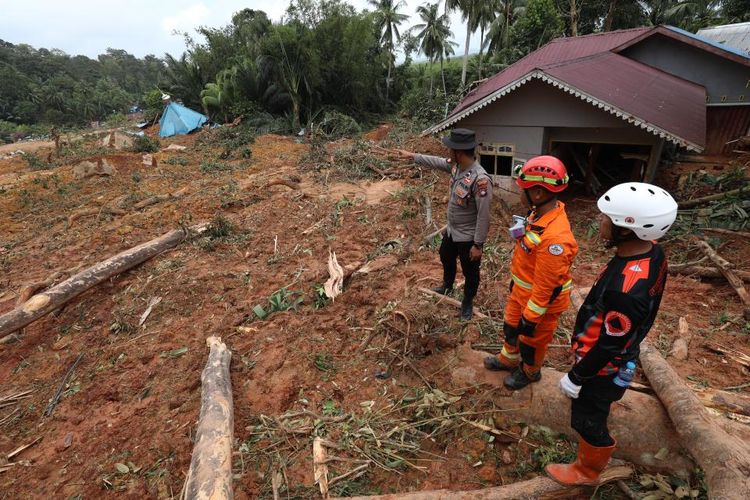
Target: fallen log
x,y
724,457
714,197
153,200
536,489
707,272
284,182
86,212
451,301
726,269
645,435
43,303
210,473
728,232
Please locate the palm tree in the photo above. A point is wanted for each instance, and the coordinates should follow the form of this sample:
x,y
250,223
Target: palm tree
x,y
435,38
468,10
498,34
693,14
485,14
387,20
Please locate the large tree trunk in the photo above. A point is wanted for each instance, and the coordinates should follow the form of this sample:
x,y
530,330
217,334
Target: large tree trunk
x,y
388,79
610,15
210,473
466,53
707,272
638,422
432,77
46,302
537,488
442,75
481,50
573,17
723,456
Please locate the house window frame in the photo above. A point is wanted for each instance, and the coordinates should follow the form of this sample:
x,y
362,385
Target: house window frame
x,y
498,149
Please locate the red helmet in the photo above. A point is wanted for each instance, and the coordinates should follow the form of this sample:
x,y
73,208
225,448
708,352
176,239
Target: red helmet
x,y
544,171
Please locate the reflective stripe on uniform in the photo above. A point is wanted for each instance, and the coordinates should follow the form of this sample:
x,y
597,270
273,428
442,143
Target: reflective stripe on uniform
x,y
546,180
534,307
533,237
510,355
567,286
518,281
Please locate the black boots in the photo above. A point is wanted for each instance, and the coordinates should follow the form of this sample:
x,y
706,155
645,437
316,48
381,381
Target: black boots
x,y
518,379
467,309
443,289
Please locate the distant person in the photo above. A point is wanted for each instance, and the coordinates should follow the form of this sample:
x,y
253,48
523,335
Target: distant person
x,y
541,277
614,319
469,199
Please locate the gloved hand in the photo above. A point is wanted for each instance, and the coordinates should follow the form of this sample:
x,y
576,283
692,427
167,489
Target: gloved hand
x,y
568,388
526,328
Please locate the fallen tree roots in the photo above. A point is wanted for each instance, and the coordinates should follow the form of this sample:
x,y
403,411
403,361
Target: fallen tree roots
x,y
713,197
726,269
723,456
537,488
210,473
451,301
43,303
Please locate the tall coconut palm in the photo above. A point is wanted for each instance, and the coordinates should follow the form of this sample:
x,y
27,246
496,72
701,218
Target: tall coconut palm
x,y
468,9
498,34
387,21
485,14
435,38
693,14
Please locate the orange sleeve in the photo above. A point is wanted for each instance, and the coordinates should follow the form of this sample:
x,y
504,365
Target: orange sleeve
x,y
551,272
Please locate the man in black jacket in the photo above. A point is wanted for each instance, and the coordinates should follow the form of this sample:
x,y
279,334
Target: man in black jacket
x,y
614,319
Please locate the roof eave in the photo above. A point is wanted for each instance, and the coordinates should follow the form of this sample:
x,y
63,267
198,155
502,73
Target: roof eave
x,y
624,115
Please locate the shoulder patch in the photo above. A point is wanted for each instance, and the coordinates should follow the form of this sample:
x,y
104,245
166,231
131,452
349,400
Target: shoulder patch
x,y
556,249
483,183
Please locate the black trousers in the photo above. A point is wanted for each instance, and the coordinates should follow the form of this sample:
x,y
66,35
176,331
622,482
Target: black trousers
x,y
591,410
450,251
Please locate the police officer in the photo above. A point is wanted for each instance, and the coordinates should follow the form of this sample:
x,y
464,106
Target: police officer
x,y
470,195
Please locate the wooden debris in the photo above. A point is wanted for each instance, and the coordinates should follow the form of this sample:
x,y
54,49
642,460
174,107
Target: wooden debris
x,y
428,210
451,301
680,346
729,232
151,304
210,473
86,212
707,272
537,488
14,398
726,269
319,466
56,398
335,284
153,200
725,458
284,182
41,304
18,450
714,197
732,354
428,239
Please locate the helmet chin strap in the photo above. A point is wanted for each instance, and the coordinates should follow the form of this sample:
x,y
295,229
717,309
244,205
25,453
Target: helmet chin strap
x,y
617,237
536,206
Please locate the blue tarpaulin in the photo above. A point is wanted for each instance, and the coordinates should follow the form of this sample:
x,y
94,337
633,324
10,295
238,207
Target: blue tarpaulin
x,y
179,120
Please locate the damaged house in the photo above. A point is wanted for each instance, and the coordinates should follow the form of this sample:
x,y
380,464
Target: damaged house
x,y
609,104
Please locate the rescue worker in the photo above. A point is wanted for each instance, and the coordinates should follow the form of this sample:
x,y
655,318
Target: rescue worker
x,y
469,199
541,278
614,319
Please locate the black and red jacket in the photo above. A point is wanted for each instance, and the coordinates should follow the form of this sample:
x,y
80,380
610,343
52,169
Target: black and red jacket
x,y
618,313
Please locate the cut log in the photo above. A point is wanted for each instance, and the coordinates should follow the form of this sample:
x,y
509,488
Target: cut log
x,y
210,473
86,212
713,197
725,401
707,272
451,301
726,269
645,435
284,182
537,488
153,200
49,300
723,456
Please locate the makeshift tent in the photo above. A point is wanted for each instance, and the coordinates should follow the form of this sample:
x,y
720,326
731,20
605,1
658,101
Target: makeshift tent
x,y
178,120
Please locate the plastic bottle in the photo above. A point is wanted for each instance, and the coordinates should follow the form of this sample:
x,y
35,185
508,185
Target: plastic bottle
x,y
625,375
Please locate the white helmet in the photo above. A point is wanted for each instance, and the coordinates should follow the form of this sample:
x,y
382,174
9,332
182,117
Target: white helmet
x,y
647,210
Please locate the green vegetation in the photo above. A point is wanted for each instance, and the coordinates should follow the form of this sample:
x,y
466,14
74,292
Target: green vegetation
x,y
325,64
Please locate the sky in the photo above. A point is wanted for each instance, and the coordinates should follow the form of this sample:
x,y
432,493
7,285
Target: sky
x,y
142,27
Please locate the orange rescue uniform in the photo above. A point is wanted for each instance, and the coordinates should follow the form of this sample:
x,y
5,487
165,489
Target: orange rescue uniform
x,y
540,287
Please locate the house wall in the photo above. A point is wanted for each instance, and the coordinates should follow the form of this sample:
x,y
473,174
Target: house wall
x,y
537,112
722,78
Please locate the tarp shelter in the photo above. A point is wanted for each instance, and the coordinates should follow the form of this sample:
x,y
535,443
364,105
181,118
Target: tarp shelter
x,y
179,120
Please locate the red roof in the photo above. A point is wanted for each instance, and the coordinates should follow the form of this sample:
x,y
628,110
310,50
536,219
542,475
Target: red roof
x,y
588,68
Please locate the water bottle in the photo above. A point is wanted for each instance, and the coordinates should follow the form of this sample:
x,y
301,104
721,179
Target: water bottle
x,y
625,375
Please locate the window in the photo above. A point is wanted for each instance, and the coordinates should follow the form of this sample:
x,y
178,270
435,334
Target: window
x,y
497,158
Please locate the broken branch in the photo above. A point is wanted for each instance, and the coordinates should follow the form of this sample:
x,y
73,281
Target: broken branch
x,y
451,301
714,197
726,269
